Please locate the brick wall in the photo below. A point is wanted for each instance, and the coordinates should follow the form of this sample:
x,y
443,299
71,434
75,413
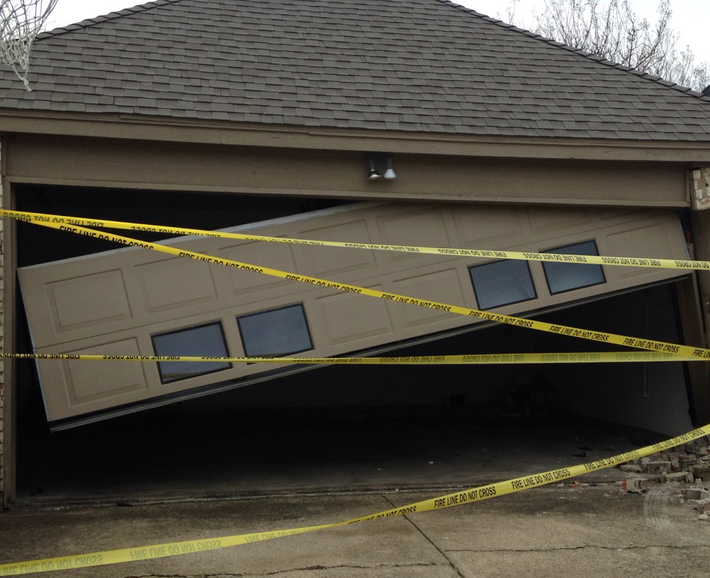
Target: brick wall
x,y
700,188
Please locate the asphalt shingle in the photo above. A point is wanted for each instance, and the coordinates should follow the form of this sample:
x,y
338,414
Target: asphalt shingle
x,y
405,65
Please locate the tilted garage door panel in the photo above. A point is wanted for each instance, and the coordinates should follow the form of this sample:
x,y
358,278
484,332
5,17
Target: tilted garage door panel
x,y
137,302
328,263
341,327
441,286
88,301
175,284
647,240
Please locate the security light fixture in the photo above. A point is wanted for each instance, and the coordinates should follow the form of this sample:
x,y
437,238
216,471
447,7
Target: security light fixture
x,y
389,173
373,173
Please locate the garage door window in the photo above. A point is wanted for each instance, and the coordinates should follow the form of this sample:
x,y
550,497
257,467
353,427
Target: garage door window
x,y
275,332
204,340
502,283
563,277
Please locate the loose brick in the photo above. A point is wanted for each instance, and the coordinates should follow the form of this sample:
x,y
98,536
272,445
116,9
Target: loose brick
x,y
636,485
694,493
659,467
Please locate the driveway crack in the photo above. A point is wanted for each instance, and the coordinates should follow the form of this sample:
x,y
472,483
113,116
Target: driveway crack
x,y
582,547
315,568
452,564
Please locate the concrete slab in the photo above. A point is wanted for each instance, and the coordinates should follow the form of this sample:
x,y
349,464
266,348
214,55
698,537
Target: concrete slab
x,y
566,517
593,531
99,492
390,545
588,562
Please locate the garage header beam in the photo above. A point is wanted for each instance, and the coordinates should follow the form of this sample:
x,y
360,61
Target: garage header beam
x,y
251,170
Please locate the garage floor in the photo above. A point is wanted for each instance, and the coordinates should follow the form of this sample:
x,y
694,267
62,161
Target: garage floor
x,y
172,455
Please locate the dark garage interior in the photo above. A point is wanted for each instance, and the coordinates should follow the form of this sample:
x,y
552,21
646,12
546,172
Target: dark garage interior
x,y
345,427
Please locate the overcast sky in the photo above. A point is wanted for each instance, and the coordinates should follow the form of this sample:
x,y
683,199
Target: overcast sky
x,y
691,18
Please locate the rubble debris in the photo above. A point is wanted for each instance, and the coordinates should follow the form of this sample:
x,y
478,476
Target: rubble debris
x,y
636,485
684,465
703,506
701,472
695,494
658,467
686,477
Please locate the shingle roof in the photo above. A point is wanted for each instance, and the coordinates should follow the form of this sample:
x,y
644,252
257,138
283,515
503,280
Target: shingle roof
x,y
404,65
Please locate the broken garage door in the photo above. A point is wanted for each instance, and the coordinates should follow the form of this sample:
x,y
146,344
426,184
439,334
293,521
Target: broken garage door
x,y
137,302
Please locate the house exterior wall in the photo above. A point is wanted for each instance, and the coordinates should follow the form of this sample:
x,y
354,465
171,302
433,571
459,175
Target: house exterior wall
x,y
3,408
282,169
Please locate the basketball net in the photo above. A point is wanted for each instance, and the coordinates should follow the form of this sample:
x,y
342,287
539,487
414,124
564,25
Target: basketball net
x,y
20,22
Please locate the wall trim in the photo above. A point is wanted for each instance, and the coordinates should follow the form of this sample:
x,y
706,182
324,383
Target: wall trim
x,y
175,130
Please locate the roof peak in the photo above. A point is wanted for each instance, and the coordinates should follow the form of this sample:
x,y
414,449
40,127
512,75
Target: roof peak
x,y
158,3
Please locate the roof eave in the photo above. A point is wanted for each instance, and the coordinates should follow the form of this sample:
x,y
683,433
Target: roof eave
x,y
137,127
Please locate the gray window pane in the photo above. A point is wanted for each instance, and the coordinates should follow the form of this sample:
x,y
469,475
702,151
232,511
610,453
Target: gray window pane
x,y
563,277
206,340
502,283
277,332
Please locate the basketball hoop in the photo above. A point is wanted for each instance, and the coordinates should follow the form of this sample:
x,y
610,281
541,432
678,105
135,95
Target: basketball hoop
x,y
20,22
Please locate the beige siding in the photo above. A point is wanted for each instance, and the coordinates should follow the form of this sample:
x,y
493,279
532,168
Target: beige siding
x,y
331,174
3,410
113,303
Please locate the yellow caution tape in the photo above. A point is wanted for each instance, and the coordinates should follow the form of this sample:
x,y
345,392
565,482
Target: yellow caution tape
x,y
455,499
39,218
477,359
598,336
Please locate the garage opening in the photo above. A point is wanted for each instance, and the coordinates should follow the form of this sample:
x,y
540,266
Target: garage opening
x,y
346,427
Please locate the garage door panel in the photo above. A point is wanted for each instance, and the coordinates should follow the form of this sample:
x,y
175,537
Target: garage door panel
x,y
488,226
441,286
327,261
175,284
80,302
88,381
134,295
560,221
89,300
424,227
341,327
241,284
647,241
82,387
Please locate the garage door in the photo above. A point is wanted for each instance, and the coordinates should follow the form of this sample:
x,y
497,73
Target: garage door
x,y
137,302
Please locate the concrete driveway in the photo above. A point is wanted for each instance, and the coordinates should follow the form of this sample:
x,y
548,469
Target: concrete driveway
x,y
580,531
89,493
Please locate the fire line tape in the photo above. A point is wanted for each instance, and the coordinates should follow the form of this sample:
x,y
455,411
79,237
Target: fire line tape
x,y
688,265
475,359
598,336
455,499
